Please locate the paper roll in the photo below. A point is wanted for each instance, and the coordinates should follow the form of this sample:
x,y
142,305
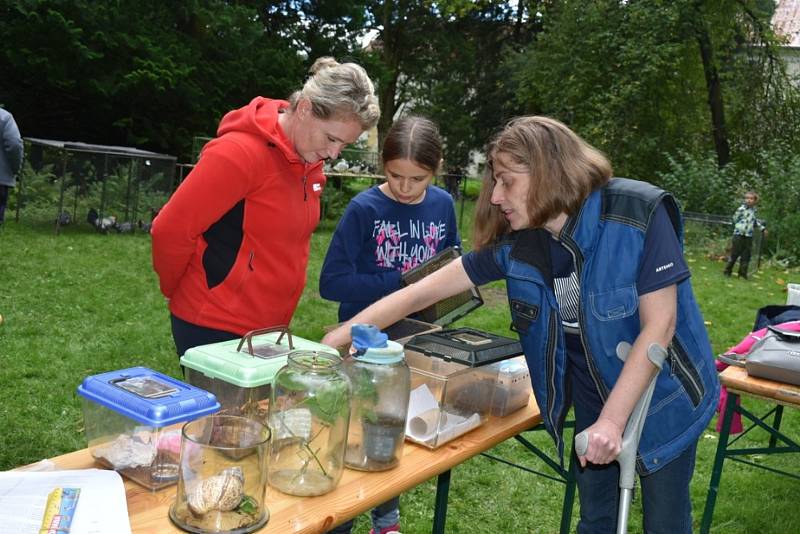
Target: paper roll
x,y
424,426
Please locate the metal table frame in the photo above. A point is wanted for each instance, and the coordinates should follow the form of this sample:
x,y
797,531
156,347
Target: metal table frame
x,y
724,449
561,475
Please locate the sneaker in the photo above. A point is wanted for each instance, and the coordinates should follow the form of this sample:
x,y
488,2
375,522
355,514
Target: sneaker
x,y
394,529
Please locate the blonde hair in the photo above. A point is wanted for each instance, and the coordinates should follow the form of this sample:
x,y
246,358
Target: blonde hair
x,y
563,168
339,91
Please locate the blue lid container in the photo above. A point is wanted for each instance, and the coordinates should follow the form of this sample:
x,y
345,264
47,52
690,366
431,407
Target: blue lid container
x,y
147,396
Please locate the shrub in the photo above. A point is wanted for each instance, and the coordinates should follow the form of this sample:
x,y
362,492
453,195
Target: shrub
x,y
700,186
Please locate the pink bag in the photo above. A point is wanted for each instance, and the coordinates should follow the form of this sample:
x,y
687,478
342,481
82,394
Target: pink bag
x,y
738,353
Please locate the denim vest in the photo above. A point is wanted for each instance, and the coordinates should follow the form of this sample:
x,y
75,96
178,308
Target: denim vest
x,y
606,238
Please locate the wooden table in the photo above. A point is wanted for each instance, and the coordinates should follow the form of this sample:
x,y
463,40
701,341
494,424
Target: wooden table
x,y
738,383
357,492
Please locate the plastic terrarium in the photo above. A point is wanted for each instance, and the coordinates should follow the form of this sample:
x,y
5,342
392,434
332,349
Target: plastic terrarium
x,y
240,372
448,399
308,415
513,387
133,420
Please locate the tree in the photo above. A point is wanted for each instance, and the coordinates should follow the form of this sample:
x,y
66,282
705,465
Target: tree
x,y
137,73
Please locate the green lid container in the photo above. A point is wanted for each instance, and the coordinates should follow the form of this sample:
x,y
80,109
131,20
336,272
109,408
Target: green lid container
x,y
251,361
240,372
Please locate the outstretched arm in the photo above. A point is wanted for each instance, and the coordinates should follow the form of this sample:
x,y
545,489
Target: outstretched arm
x,y
446,282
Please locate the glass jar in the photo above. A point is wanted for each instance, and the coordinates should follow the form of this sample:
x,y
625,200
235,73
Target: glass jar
x,y
381,382
308,413
223,476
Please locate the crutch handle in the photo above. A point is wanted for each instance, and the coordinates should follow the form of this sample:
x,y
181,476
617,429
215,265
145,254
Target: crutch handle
x,y
633,429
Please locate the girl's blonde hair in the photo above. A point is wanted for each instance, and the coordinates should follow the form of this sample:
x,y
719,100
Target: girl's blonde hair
x,y
339,91
563,170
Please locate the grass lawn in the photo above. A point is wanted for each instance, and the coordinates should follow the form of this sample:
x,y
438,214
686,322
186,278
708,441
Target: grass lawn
x,y
81,303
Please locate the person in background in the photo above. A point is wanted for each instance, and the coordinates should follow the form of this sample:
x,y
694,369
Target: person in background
x,y
589,262
385,231
231,245
10,158
744,221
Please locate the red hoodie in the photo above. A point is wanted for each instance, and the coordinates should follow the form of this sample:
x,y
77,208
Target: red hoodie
x,y
231,245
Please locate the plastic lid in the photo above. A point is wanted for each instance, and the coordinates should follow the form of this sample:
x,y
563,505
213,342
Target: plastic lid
x,y
373,346
147,396
222,361
367,336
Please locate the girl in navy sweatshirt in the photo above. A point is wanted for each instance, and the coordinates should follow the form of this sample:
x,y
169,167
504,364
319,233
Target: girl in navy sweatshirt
x,y
385,231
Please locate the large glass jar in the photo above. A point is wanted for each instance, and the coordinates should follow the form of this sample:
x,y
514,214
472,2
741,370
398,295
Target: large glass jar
x,y
308,414
381,383
222,477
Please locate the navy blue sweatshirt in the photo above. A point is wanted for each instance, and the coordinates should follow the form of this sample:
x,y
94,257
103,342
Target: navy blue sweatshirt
x,y
378,239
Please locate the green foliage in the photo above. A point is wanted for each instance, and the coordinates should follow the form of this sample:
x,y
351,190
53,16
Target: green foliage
x,y
328,400
700,185
138,73
365,390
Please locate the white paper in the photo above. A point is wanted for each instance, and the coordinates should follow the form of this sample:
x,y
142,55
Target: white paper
x,y
102,507
457,425
423,427
427,423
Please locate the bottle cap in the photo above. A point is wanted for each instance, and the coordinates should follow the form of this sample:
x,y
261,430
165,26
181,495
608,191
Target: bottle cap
x,y
374,346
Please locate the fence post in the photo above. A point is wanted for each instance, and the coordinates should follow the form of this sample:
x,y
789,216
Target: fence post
x,y
65,154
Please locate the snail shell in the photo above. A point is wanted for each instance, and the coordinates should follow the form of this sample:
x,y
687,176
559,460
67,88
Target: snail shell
x,y
221,492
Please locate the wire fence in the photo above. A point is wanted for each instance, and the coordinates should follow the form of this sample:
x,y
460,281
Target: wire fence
x,y
64,182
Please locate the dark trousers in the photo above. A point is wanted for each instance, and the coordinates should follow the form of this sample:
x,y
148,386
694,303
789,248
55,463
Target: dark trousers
x,y
666,502
4,190
740,250
187,335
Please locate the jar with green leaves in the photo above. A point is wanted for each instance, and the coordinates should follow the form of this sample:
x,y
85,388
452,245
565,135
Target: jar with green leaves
x,y
308,413
381,383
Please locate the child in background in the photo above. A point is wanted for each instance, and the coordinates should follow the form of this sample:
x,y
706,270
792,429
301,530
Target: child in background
x,y
744,220
384,232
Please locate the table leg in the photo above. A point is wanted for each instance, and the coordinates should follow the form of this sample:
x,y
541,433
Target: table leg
x,y
569,497
719,458
776,424
440,512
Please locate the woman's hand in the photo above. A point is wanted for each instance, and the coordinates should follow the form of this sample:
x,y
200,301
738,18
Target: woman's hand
x,y
605,442
338,337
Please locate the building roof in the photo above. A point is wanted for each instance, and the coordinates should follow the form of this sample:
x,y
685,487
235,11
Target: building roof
x,y
786,21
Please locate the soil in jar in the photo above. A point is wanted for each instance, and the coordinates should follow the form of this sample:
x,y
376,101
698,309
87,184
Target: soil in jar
x,y
381,443
234,521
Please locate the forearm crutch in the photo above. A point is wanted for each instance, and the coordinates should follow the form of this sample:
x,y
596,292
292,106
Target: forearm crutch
x,y
630,437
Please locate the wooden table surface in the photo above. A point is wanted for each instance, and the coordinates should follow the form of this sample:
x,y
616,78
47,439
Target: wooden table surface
x,y
356,493
737,380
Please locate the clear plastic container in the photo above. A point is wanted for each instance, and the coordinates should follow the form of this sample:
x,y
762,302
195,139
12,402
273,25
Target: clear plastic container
x,y
133,420
447,400
513,387
240,372
308,414
381,381
223,476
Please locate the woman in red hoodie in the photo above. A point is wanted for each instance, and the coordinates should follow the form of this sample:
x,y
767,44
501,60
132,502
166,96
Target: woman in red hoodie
x,y
231,245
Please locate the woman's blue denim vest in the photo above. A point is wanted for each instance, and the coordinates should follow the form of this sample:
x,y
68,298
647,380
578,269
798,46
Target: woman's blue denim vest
x,y
606,239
